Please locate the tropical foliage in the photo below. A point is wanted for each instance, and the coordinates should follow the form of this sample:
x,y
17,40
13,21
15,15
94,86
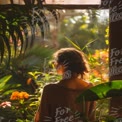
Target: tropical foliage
x,y
19,25
21,97
21,83
83,27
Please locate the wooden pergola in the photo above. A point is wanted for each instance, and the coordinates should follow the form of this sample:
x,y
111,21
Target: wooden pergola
x,y
62,4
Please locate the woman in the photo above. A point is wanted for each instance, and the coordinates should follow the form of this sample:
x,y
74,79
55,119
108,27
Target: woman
x,y
58,102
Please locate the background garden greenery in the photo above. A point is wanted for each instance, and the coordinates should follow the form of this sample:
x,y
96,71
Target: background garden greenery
x,y
22,82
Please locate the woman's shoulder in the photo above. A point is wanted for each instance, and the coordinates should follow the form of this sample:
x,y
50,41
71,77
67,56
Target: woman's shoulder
x,y
90,85
52,89
50,86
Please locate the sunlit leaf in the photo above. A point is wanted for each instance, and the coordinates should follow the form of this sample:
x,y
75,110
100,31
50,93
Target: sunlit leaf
x,y
3,81
107,42
7,44
104,90
76,46
87,44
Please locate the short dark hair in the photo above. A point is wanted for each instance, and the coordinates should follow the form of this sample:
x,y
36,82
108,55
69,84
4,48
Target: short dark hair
x,y
73,60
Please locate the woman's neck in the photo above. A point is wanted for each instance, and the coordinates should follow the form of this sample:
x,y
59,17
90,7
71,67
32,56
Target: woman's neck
x,y
74,83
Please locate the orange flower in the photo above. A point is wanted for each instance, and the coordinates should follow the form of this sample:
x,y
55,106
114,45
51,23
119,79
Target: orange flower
x,y
19,95
29,81
23,95
26,95
14,95
95,72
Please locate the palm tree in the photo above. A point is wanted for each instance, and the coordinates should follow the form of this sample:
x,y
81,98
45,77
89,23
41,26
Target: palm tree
x,y
18,23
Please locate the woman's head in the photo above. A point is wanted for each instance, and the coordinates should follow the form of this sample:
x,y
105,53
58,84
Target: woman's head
x,y
72,60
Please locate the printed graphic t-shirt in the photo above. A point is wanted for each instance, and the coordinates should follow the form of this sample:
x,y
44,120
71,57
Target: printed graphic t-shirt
x,y
64,108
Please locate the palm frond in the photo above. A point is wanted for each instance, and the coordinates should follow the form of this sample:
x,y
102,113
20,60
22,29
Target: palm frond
x,y
18,23
2,47
55,13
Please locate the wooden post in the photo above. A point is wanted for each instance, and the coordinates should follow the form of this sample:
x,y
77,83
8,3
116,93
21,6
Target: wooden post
x,y
115,55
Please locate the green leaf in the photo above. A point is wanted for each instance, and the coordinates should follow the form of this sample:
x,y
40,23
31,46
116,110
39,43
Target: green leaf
x,y
76,46
11,32
41,26
2,48
3,81
87,44
101,91
7,43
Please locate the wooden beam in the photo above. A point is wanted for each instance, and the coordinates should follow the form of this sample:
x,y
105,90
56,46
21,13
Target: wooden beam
x,y
57,6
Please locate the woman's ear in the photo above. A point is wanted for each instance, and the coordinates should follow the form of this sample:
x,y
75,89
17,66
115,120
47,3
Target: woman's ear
x,y
60,69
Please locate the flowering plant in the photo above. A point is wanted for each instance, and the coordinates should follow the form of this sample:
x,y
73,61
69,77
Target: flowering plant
x,y
22,105
19,95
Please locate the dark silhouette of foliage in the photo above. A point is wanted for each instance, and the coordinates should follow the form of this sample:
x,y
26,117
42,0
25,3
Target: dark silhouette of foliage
x,y
18,25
